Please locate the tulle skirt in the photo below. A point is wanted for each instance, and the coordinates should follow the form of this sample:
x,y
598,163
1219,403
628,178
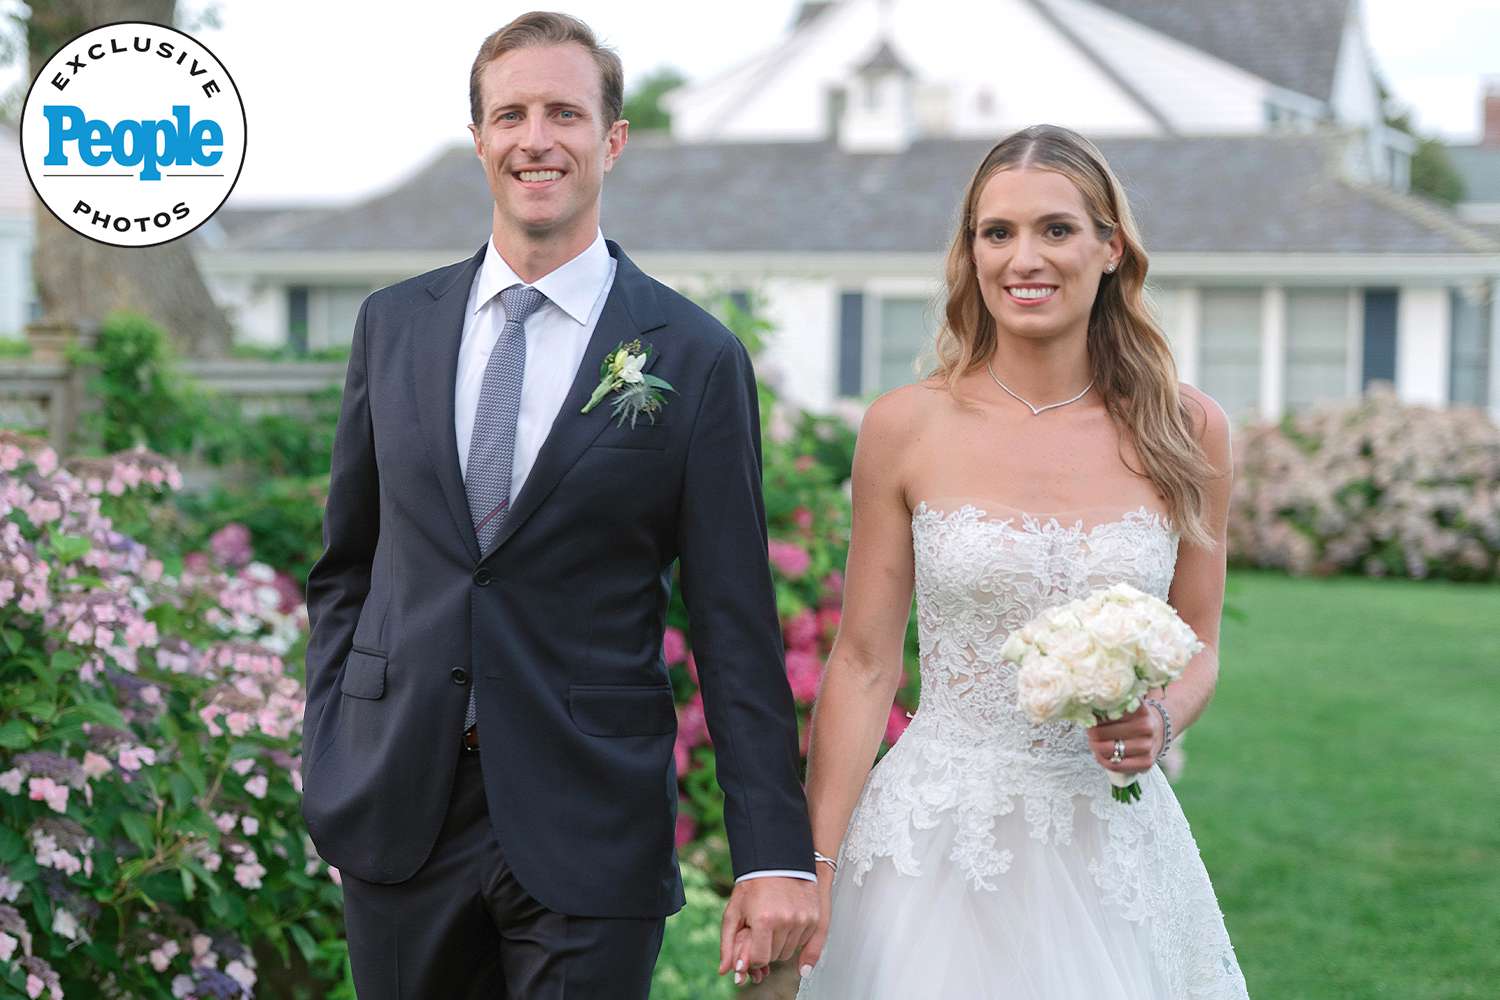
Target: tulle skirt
x,y
1053,925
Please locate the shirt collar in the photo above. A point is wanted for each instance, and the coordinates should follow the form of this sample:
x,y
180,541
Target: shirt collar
x,y
574,287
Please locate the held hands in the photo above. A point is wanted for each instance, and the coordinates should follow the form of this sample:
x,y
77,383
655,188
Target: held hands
x,y
813,950
1140,731
767,920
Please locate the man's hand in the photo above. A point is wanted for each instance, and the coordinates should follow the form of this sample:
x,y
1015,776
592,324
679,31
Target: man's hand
x,y
767,920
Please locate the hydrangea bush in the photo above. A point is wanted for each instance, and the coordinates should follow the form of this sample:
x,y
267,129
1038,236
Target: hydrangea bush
x,y
150,841
1374,486
807,460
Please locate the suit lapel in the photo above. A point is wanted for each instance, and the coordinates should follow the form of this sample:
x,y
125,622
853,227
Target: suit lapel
x,y
434,338
631,311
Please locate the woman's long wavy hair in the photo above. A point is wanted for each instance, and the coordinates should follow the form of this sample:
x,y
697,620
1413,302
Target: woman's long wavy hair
x,y
1131,361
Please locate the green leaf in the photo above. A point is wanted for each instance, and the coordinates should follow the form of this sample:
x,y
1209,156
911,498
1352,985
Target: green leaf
x,y
657,383
138,829
304,942
12,639
101,712
12,844
70,547
188,888
16,734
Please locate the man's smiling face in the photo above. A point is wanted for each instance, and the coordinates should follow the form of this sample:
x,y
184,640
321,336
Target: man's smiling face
x,y
543,141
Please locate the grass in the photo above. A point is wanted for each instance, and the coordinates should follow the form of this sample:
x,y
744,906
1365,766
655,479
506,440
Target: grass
x,y
1343,787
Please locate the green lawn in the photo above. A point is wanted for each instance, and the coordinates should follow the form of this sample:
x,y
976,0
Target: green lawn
x,y
1345,788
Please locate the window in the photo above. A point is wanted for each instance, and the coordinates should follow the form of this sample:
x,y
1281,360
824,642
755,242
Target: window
x,y
1469,381
332,312
906,329
1229,355
1317,346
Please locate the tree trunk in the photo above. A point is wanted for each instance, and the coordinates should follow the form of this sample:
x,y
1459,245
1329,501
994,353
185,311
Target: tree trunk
x,y
80,281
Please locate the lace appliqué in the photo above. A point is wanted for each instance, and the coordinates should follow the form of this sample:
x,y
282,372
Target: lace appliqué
x,y
971,756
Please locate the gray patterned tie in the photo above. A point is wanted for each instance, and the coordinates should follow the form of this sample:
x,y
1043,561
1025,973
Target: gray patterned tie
x,y
492,448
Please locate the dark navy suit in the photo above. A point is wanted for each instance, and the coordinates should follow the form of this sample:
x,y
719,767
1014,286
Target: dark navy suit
x,y
558,627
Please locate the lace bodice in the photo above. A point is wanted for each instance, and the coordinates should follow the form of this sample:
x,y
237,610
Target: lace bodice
x,y
980,576
969,752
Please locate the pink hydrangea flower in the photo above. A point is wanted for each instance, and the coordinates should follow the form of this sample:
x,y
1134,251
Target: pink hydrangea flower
x,y
789,558
49,791
231,545
803,518
11,780
131,758
828,622
256,786
96,765
801,631
674,646
803,672
686,829
833,588
248,874
896,724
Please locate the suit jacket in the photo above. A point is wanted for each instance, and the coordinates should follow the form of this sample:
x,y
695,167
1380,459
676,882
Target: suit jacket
x,y
558,627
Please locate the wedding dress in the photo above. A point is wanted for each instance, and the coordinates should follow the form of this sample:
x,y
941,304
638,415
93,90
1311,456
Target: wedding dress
x,y
986,859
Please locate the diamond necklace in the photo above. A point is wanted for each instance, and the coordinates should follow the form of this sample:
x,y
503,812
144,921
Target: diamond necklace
x,y
1035,411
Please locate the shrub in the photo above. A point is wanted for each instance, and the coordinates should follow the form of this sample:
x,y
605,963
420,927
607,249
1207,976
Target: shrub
x,y
150,839
1375,486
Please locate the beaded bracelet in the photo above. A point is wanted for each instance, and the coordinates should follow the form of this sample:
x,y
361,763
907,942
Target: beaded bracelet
x,y
1166,724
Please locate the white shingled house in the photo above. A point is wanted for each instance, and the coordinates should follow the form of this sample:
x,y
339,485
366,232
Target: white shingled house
x,y
1289,263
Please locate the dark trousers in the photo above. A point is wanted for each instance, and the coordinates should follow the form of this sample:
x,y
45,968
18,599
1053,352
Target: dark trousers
x,y
463,927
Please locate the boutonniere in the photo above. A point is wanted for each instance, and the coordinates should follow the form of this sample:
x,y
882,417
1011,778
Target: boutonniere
x,y
635,391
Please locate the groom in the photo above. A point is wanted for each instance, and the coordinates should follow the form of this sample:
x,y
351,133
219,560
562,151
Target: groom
x,y
488,737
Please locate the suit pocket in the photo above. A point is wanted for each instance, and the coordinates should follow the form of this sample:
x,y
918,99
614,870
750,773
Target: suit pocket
x,y
622,709
364,675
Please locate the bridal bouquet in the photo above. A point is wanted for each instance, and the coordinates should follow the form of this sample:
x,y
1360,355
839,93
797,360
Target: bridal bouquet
x,y
1097,657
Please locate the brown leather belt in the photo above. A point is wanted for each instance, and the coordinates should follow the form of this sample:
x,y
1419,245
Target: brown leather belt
x,y
471,738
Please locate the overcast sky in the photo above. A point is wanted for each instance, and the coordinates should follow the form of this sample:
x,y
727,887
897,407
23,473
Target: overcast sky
x,y
346,97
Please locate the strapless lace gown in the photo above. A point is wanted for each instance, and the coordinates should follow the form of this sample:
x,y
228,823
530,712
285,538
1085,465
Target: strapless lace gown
x,y
986,859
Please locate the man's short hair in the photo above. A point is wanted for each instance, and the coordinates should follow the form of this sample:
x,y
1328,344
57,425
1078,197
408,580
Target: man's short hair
x,y
547,28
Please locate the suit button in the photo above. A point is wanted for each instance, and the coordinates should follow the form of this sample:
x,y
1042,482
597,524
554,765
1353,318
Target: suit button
x,y
482,576
460,675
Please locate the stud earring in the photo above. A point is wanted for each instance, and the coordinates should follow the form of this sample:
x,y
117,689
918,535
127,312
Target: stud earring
x,y
1110,268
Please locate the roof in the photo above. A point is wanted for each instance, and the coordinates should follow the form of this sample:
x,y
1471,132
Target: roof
x,y
1291,43
1479,166
884,60
1277,193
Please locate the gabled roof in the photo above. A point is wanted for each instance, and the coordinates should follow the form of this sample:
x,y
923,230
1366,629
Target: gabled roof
x,y
1278,193
1291,43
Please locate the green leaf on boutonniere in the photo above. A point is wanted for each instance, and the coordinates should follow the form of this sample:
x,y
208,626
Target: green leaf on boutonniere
x,y
636,392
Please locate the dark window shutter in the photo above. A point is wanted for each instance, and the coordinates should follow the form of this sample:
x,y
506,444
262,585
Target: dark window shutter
x,y
1380,336
296,318
851,343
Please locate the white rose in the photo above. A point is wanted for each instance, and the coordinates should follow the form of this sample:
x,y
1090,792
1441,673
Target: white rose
x,y
1015,648
1115,626
1106,679
1044,689
1071,646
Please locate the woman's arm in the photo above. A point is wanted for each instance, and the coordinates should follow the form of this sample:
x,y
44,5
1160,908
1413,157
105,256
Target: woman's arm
x,y
865,667
1197,594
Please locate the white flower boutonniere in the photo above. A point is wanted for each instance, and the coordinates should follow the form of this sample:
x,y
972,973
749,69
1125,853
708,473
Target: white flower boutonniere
x,y
636,392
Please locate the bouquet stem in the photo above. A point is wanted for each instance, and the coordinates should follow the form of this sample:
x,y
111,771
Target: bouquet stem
x,y
1124,787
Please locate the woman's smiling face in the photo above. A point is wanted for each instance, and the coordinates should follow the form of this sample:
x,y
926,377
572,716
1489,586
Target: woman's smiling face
x,y
1037,253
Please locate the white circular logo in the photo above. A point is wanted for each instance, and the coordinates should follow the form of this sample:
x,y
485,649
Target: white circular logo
x,y
133,134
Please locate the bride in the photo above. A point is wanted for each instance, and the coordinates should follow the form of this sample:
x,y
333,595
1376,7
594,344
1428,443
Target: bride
x,y
1051,453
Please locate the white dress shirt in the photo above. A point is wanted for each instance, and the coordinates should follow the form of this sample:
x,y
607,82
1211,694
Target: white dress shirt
x,y
557,334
